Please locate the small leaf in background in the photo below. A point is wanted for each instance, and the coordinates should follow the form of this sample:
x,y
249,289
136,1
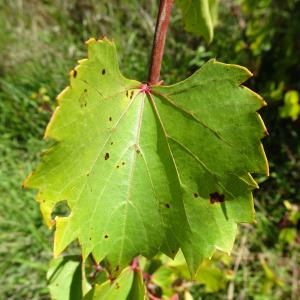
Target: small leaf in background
x,y
151,169
65,279
173,275
276,91
164,277
212,277
288,235
289,223
128,285
271,277
291,108
138,289
199,16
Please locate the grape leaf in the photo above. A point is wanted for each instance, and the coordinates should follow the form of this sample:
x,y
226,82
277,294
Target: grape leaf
x,y
128,285
138,289
199,16
147,169
64,278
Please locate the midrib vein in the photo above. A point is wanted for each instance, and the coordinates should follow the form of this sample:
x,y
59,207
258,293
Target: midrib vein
x,y
138,131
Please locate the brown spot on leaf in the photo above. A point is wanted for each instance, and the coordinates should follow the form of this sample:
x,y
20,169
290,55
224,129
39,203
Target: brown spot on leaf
x,y
106,236
118,166
167,205
177,283
117,285
127,93
131,94
112,143
196,195
103,72
74,73
117,268
82,99
138,151
123,163
110,119
106,157
216,198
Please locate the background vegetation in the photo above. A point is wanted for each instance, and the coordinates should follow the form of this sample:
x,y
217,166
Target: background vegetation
x,y
40,40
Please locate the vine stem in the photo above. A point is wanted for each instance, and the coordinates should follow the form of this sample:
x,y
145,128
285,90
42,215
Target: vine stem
x,y
161,29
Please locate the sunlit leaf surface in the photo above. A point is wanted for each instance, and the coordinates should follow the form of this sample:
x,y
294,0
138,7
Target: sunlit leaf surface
x,y
148,169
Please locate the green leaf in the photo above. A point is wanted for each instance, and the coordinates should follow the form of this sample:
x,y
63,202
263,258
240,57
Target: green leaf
x,y
288,235
118,289
138,289
211,276
291,108
164,277
145,171
64,278
200,16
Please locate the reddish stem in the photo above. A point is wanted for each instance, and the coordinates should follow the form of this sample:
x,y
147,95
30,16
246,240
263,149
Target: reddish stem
x,y
161,29
135,263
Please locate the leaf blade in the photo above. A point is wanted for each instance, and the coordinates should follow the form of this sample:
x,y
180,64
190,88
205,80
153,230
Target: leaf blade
x,y
148,172
199,16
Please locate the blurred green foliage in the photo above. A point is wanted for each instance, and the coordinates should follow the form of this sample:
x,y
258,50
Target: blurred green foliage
x,y
41,40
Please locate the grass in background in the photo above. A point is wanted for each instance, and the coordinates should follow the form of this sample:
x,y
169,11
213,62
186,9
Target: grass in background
x,y
25,247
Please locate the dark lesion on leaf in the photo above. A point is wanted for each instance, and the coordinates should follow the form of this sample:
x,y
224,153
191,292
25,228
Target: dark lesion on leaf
x,y
82,99
196,195
103,71
106,236
117,268
123,163
106,156
131,94
216,198
167,205
110,119
74,73
127,93
137,148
